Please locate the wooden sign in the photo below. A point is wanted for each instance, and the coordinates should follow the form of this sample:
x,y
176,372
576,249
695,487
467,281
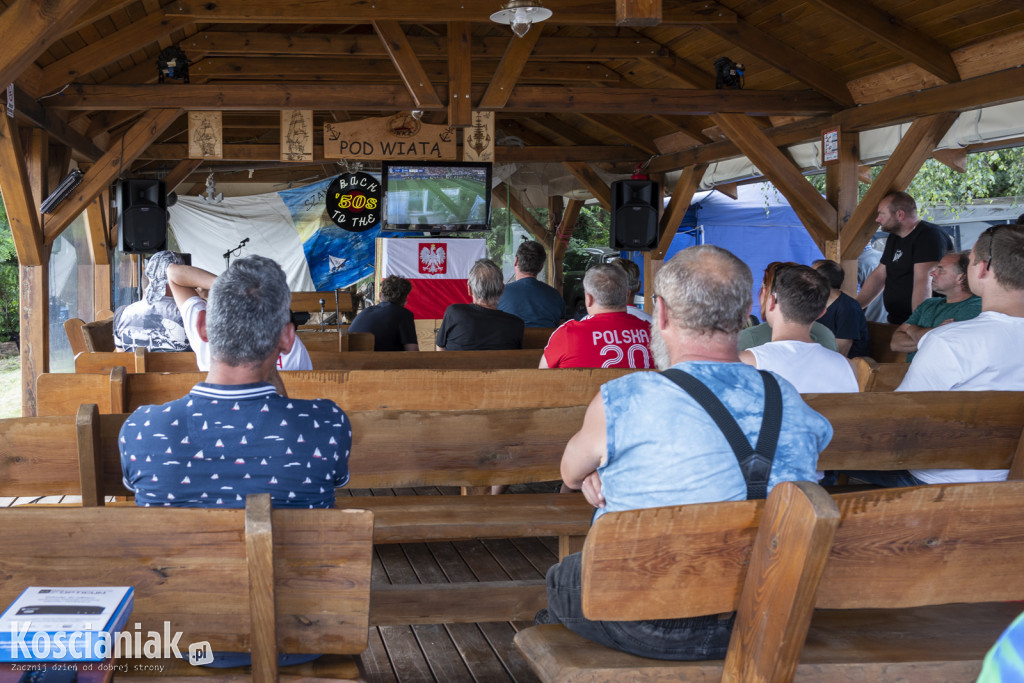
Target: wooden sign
x,y
830,146
478,140
400,137
297,135
205,135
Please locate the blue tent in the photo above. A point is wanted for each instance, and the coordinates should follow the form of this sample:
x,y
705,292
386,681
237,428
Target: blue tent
x,y
759,227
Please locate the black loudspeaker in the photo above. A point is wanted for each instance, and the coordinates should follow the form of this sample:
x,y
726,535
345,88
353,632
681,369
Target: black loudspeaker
x,y
142,207
634,215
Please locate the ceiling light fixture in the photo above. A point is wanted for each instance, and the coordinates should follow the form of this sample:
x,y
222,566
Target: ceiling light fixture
x,y
521,15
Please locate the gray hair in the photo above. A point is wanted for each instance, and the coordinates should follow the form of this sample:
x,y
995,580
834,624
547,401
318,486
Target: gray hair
x,y
248,308
485,281
706,289
608,284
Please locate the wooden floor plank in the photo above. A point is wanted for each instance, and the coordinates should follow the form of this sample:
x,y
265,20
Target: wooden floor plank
x,y
441,654
541,555
480,561
374,661
451,562
405,654
477,653
500,635
510,559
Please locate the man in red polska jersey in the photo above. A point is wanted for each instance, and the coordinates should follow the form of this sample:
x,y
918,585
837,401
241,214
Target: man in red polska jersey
x,y
609,337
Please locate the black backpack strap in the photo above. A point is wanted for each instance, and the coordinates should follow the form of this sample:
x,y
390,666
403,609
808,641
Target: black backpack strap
x,y
755,464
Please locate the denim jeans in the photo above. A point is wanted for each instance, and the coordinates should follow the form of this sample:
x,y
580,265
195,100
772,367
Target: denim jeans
x,y
693,639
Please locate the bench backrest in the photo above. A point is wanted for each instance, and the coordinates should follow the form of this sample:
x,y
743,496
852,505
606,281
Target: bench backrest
x,y
440,389
99,335
881,337
74,328
308,570
356,357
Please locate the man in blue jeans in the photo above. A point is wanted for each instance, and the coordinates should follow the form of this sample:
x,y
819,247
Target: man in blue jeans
x,y
646,443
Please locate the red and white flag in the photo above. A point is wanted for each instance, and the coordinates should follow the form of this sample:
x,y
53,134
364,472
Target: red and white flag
x,y
437,268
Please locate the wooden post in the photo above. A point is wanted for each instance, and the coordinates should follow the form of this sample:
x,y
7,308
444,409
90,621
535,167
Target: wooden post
x,y
841,183
34,317
99,251
555,206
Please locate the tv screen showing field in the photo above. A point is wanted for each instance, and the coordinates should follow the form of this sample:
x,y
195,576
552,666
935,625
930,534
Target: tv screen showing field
x,y
436,196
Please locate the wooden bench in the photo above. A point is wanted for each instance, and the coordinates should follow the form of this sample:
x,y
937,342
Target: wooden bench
x,y
120,392
886,582
873,376
426,334
244,580
881,340
339,302
143,361
512,445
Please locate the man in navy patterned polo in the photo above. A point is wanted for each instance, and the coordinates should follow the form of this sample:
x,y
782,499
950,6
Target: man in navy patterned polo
x,y
235,434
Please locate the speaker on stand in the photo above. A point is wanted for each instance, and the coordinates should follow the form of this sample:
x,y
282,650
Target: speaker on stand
x,y
635,215
142,212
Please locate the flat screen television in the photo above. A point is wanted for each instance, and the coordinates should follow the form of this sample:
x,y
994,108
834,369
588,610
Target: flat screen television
x,y
436,196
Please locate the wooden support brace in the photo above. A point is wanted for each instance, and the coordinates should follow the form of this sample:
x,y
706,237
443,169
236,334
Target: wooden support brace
x,y
120,155
905,161
408,64
22,210
589,178
502,197
566,227
509,70
259,558
817,215
682,195
179,173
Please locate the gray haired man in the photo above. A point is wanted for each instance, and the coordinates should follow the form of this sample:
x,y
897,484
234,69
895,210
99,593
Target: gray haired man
x,y
480,326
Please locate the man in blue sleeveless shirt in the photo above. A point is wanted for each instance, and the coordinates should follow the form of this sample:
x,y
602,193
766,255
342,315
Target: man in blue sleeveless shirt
x,y
646,443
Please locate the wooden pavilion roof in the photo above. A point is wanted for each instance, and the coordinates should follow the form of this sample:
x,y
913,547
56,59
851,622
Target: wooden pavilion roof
x,y
600,84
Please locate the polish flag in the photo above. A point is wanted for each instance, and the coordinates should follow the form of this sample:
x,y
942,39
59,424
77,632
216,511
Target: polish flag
x,y
437,268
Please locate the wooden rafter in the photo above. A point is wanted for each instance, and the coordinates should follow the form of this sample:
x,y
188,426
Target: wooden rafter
x,y
29,27
682,194
897,36
506,199
109,49
407,64
460,74
589,178
99,10
103,172
817,215
638,12
22,209
913,150
28,110
954,159
183,170
619,129
360,11
552,124
787,59
509,70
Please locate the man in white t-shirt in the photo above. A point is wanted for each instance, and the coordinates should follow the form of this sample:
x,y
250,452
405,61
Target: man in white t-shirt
x,y
798,297
189,287
982,354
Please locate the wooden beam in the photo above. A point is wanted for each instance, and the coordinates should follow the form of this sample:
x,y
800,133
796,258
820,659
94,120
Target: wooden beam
x,y
34,320
682,194
460,74
107,50
27,109
568,12
509,70
730,190
407,64
504,198
103,172
841,191
183,170
589,178
661,101
552,126
22,209
557,154
566,227
99,10
787,59
954,159
637,12
681,70
817,215
917,47
912,151
621,130
29,27
96,232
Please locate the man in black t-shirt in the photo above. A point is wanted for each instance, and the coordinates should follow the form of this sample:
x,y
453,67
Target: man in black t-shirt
x,y
480,326
390,322
912,249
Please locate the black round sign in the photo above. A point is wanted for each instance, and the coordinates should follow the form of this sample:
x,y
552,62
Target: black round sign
x,y
353,201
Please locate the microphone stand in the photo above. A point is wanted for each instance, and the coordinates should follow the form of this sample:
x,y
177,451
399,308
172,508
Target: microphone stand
x,y
234,252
